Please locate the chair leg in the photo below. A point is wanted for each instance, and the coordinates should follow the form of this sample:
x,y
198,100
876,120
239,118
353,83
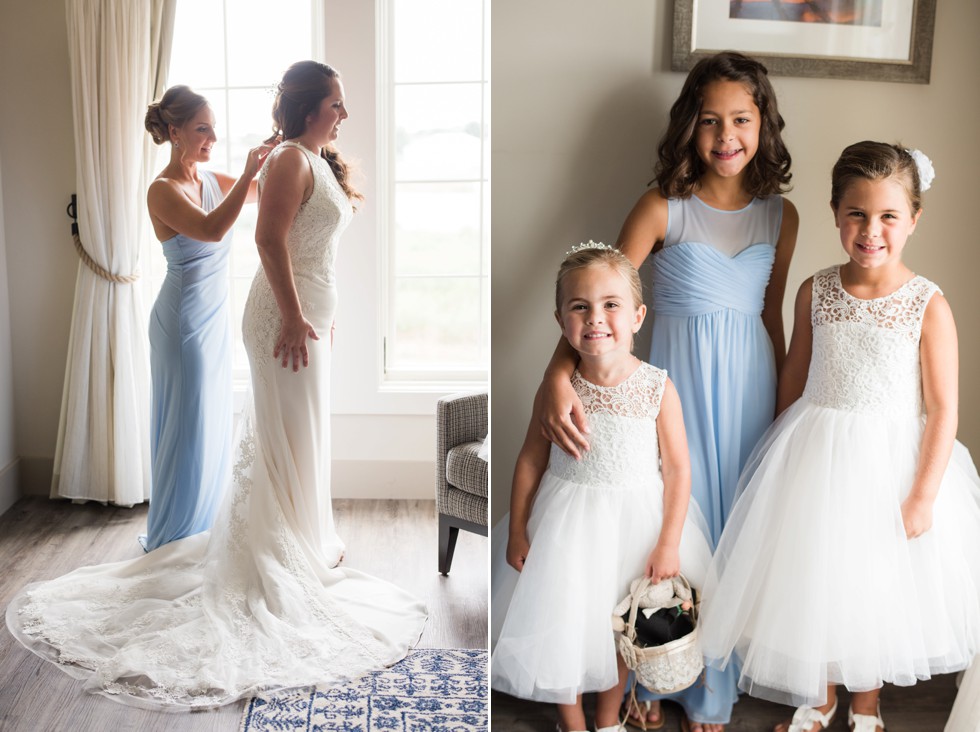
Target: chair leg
x,y
447,543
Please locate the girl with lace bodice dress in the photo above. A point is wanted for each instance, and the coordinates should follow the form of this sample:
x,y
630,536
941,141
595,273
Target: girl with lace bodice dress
x,y
581,530
852,555
259,602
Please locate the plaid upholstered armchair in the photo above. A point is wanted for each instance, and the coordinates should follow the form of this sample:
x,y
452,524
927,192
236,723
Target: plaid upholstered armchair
x,y
461,475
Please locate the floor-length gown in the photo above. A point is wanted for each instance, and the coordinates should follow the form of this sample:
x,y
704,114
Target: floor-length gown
x,y
256,603
190,361
855,602
709,284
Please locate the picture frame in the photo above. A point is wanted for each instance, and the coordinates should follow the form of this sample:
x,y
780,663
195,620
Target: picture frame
x,y
895,46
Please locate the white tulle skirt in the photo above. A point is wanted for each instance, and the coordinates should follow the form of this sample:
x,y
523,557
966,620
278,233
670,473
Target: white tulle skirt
x,y
553,620
814,580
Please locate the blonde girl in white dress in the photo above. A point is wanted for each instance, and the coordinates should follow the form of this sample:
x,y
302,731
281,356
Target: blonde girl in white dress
x,y
581,530
852,555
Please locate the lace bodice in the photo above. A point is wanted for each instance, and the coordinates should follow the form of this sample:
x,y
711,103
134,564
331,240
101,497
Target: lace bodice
x,y
315,232
865,354
624,451
312,242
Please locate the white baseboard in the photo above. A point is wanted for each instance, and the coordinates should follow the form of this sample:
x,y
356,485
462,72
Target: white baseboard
x,y
383,479
10,485
350,479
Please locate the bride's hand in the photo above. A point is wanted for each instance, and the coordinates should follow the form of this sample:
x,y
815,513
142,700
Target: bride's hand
x,y
292,342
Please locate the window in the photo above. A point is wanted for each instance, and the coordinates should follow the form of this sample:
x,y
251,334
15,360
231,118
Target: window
x,y
234,53
435,116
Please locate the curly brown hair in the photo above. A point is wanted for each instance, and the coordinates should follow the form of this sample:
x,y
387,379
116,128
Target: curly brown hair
x,y
876,161
304,85
679,168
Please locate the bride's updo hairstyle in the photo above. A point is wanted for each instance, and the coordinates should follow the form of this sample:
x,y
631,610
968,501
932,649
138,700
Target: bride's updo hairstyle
x,y
304,85
599,255
176,107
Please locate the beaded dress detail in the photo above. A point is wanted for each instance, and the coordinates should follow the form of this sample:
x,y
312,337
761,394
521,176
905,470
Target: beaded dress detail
x,y
814,580
593,524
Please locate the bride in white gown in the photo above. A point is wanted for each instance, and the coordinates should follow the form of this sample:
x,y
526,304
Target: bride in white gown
x,y
260,602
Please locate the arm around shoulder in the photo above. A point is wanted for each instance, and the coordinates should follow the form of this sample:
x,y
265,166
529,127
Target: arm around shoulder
x,y
645,227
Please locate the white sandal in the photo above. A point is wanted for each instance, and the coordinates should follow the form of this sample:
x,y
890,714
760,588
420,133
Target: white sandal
x,y
805,717
865,722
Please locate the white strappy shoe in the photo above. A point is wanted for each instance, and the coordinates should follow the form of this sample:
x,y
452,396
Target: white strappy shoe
x,y
865,722
805,717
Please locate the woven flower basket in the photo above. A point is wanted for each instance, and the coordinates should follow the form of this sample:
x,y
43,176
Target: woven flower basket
x,y
666,668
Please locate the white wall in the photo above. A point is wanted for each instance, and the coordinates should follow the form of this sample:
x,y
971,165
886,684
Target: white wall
x,y
582,92
9,467
384,443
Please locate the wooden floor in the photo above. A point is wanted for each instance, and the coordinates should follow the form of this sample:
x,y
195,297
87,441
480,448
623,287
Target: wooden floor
x,y
920,708
41,539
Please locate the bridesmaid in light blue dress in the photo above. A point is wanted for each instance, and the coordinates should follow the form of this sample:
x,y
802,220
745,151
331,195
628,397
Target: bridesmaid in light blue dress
x,y
721,239
192,213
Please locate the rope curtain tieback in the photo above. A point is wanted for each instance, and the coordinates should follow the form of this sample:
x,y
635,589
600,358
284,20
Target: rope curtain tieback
x,y
86,257
94,266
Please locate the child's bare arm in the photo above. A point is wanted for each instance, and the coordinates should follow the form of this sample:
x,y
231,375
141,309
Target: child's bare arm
x,y
531,464
644,229
664,560
772,307
792,378
940,392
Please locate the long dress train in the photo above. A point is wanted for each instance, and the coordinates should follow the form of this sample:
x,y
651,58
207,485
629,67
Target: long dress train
x,y
257,603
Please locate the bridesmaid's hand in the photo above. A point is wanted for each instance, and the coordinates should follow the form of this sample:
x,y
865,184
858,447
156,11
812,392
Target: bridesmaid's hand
x,y
292,342
257,156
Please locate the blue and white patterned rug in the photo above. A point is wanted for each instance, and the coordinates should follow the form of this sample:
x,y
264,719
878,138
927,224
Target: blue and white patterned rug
x,y
435,690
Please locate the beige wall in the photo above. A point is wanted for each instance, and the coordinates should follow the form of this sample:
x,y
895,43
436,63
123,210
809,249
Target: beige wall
x,y
581,95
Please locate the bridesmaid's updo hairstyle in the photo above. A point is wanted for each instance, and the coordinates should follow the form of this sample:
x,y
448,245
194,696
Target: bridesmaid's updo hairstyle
x,y
679,168
599,255
876,161
176,107
304,85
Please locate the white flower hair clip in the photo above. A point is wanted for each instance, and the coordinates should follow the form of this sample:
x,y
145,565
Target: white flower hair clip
x,y
587,245
927,173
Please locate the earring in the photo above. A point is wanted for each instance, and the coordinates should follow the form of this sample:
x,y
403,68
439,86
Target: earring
x,y
176,143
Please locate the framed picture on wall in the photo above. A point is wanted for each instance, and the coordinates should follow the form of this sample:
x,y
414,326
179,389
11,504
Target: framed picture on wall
x,y
874,40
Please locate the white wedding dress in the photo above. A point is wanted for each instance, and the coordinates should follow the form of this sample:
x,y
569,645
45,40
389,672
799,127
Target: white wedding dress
x,y
258,602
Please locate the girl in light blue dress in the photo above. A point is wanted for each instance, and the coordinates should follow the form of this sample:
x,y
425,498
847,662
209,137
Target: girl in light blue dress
x,y
721,239
192,213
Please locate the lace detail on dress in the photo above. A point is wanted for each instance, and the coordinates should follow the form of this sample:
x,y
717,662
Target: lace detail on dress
x,y
866,352
623,418
312,242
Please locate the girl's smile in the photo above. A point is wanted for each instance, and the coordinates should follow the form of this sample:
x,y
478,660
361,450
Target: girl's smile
x,y
875,221
727,132
598,316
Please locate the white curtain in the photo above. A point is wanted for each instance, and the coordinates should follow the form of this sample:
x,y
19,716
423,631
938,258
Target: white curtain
x,y
119,52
